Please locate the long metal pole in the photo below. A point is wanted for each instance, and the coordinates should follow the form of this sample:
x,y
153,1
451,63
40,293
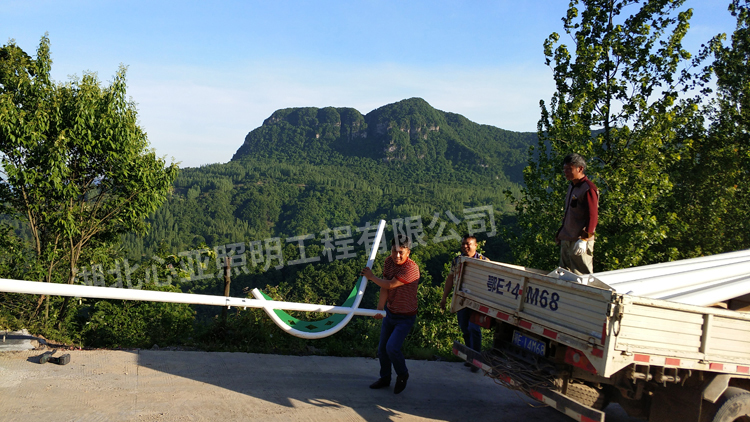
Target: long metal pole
x,y
706,296
648,286
74,290
634,273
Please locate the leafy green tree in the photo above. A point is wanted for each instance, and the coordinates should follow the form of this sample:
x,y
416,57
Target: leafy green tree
x,y
75,164
617,104
715,192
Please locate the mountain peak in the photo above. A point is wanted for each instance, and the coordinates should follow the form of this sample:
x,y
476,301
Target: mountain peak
x,y
406,133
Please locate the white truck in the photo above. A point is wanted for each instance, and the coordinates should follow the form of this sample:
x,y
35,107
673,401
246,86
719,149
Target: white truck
x,y
578,347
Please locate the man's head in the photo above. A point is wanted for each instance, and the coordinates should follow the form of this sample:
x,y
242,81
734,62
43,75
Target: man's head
x,y
573,167
400,249
468,245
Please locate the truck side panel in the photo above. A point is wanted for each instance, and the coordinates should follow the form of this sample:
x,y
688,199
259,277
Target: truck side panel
x,y
576,312
691,336
730,337
652,328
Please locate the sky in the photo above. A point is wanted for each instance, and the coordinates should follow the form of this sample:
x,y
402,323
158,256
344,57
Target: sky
x,y
205,74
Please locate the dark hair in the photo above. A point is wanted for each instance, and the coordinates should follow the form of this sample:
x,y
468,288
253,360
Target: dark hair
x,y
575,160
401,241
468,236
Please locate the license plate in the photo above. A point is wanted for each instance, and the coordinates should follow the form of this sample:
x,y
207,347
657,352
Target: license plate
x,y
528,343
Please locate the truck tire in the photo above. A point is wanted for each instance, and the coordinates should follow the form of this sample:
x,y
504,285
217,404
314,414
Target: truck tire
x,y
734,406
587,395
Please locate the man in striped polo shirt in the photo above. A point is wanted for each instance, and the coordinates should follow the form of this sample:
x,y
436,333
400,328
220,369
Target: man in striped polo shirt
x,y
398,297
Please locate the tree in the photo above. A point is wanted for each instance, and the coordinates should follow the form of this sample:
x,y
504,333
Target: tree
x,y
716,183
76,167
617,104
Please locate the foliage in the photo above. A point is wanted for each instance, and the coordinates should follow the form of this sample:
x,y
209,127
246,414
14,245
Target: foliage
x,y
122,323
714,192
76,167
617,104
253,198
622,101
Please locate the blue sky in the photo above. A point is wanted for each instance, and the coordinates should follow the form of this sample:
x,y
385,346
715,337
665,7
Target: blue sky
x,y
204,74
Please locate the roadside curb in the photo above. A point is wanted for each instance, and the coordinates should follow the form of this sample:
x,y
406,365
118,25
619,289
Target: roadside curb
x,y
14,341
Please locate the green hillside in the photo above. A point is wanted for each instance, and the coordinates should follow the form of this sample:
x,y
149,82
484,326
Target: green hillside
x,y
318,178
306,170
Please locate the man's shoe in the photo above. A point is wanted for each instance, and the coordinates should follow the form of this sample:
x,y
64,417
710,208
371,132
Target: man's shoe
x,y
474,369
45,357
400,384
467,364
62,360
380,383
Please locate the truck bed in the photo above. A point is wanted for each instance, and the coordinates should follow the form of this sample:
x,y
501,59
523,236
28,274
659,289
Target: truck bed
x,y
612,330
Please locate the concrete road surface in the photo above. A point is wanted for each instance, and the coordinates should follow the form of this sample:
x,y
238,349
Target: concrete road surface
x,y
157,385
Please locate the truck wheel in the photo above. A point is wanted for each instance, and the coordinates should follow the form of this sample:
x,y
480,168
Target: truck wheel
x,y
734,406
587,395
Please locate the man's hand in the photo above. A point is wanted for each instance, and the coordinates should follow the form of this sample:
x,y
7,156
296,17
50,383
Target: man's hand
x,y
580,247
367,272
442,304
585,235
378,316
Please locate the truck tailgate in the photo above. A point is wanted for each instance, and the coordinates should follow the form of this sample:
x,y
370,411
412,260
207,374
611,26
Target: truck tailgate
x,y
573,313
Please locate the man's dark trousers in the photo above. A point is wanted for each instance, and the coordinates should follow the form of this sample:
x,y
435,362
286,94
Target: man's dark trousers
x,y
472,332
392,335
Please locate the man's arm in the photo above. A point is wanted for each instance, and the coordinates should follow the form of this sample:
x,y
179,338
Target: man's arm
x,y
447,289
381,301
592,203
384,284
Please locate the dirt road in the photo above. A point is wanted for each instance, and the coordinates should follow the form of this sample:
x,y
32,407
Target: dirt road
x,y
151,385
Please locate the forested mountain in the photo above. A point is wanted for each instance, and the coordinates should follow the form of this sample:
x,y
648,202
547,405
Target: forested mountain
x,y
410,135
293,210
306,170
296,201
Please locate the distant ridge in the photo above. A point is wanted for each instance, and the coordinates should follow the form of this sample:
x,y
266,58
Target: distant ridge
x,y
407,133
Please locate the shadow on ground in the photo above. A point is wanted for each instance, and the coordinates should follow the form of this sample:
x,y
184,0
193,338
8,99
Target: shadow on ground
x,y
275,386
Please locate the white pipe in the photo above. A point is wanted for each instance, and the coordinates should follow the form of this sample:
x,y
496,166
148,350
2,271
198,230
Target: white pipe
x,y
678,291
715,294
75,290
334,329
634,273
665,283
619,278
